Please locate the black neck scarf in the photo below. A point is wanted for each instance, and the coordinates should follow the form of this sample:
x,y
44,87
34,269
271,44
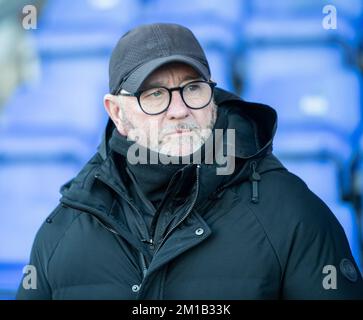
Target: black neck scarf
x,y
153,178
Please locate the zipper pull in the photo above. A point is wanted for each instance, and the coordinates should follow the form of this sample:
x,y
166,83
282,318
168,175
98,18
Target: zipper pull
x,y
150,242
254,178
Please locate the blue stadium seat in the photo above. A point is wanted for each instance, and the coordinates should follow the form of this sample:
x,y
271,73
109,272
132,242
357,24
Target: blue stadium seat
x,y
62,115
47,132
303,8
301,141
10,278
28,193
309,86
220,69
89,15
319,143
322,177
301,20
67,98
230,11
72,45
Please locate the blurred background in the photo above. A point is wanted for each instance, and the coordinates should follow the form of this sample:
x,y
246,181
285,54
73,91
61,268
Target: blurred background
x,y
291,54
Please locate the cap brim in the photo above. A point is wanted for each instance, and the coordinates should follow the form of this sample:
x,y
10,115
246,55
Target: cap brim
x,y
136,78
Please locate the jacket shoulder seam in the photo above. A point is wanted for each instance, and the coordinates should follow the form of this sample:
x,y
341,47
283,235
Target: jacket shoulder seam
x,y
59,241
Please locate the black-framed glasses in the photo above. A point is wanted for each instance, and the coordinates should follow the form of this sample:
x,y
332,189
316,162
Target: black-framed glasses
x,y
196,95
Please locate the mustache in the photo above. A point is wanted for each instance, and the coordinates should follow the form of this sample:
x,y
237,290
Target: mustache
x,y
184,126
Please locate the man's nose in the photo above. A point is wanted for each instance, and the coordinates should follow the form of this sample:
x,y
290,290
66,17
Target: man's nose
x,y
177,108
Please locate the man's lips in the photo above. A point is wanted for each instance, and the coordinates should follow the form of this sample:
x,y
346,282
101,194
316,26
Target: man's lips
x,y
179,131
182,131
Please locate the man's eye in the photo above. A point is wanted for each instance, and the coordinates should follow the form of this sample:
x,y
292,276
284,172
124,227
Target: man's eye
x,y
157,93
154,93
193,87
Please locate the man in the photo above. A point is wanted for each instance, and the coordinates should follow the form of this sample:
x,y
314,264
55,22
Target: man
x,y
170,208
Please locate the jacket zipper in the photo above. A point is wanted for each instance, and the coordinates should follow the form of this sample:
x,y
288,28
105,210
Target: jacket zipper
x,y
186,215
94,214
254,178
106,226
110,229
150,241
97,176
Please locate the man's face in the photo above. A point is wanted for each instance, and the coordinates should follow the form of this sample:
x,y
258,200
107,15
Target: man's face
x,y
179,131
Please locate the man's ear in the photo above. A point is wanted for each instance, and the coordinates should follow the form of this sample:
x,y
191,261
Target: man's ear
x,y
112,107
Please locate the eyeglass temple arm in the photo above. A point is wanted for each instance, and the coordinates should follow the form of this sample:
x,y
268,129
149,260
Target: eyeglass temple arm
x,y
127,94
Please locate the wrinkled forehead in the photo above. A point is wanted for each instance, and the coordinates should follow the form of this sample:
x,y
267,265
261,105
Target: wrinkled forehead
x,y
172,72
